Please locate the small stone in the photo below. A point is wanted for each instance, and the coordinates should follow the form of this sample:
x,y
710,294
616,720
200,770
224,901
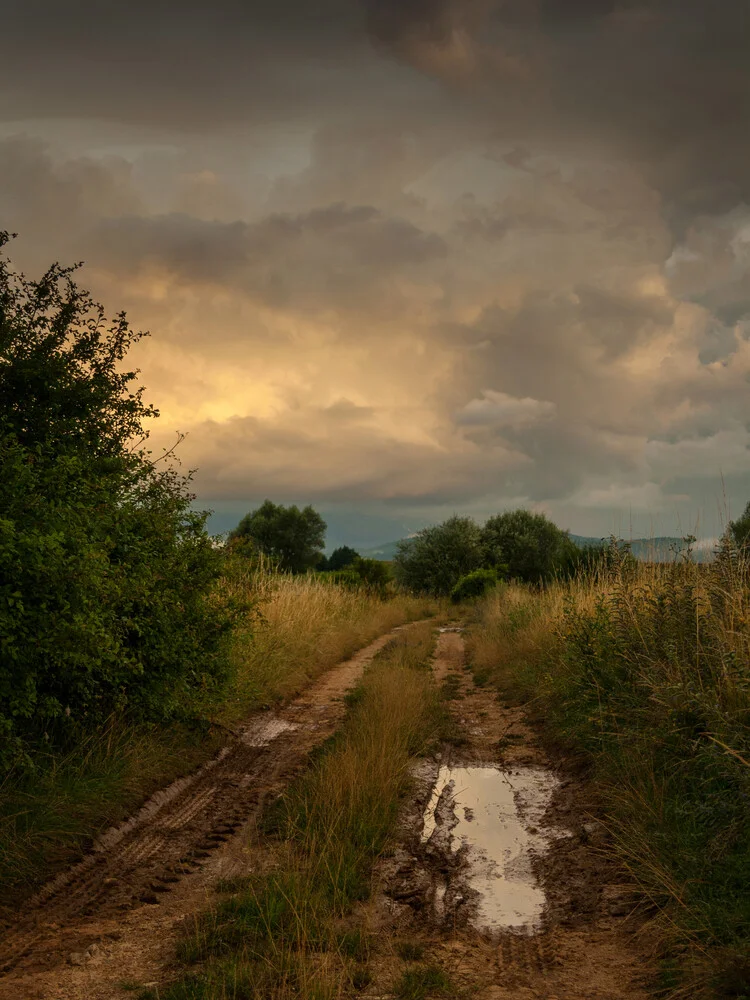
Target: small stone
x,y
591,829
76,958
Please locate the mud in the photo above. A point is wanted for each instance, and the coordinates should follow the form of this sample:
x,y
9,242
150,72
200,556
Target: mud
x,y
501,873
492,818
115,915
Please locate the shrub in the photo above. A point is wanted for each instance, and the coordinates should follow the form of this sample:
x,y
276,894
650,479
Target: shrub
x,y
105,572
474,585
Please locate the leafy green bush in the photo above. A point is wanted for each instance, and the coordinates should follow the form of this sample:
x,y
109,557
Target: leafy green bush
x,y
106,573
370,574
474,585
435,559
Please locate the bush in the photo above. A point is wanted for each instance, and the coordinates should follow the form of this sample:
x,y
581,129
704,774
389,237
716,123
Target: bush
x,y
436,558
474,585
105,572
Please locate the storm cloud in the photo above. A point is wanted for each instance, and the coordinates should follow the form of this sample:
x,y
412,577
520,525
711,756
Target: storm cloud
x,y
421,255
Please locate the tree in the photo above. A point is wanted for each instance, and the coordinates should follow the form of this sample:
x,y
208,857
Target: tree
x,y
293,537
436,558
739,531
341,557
528,544
106,574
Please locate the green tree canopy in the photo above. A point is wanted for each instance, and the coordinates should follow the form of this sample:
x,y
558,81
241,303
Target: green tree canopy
x,y
105,571
436,558
292,537
341,557
739,530
528,545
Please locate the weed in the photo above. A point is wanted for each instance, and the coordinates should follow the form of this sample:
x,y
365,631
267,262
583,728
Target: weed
x,y
422,982
410,951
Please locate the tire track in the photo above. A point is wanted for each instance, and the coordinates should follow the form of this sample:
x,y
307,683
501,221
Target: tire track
x,y
180,828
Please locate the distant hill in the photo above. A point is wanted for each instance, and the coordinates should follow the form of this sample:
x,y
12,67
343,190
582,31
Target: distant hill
x,y
661,549
384,552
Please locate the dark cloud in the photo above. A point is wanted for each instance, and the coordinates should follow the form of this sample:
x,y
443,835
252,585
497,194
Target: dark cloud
x,y
334,257
419,253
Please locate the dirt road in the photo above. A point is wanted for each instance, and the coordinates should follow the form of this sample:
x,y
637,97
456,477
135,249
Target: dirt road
x,y
497,876
500,878
113,917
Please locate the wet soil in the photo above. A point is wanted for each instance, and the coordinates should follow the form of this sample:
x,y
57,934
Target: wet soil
x,y
500,875
114,917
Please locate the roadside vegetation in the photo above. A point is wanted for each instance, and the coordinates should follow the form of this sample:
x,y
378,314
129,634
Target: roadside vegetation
x,y
286,930
129,640
644,672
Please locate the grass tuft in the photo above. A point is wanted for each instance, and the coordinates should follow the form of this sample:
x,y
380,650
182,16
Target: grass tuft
x,y
423,982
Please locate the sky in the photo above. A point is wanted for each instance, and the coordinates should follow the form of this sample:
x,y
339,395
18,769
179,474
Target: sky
x,y
407,258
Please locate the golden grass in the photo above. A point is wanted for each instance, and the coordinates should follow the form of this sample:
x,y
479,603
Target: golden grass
x,y
301,627
644,671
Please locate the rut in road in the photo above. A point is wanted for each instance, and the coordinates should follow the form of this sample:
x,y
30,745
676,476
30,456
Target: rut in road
x,y
501,875
115,913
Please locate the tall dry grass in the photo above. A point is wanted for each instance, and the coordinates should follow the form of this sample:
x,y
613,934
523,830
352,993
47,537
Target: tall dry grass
x,y
301,626
645,671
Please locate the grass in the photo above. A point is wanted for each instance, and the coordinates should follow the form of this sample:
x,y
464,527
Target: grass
x,y
423,982
645,673
289,932
301,627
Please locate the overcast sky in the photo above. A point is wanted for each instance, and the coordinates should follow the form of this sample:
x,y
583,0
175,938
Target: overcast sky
x,y
402,258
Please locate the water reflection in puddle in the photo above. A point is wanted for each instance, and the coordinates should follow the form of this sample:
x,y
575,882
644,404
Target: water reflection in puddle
x,y
262,731
495,816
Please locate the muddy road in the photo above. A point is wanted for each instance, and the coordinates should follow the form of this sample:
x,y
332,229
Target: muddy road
x,y
113,917
500,877
498,873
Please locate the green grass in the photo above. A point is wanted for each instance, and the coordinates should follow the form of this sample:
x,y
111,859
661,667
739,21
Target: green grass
x,y
646,676
423,982
288,931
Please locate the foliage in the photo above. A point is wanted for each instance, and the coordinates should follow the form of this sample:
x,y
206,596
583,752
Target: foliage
x,y
340,558
645,671
292,537
474,585
739,531
436,558
105,571
528,544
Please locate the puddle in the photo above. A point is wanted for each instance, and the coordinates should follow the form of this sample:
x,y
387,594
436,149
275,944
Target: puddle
x,y
495,817
261,732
